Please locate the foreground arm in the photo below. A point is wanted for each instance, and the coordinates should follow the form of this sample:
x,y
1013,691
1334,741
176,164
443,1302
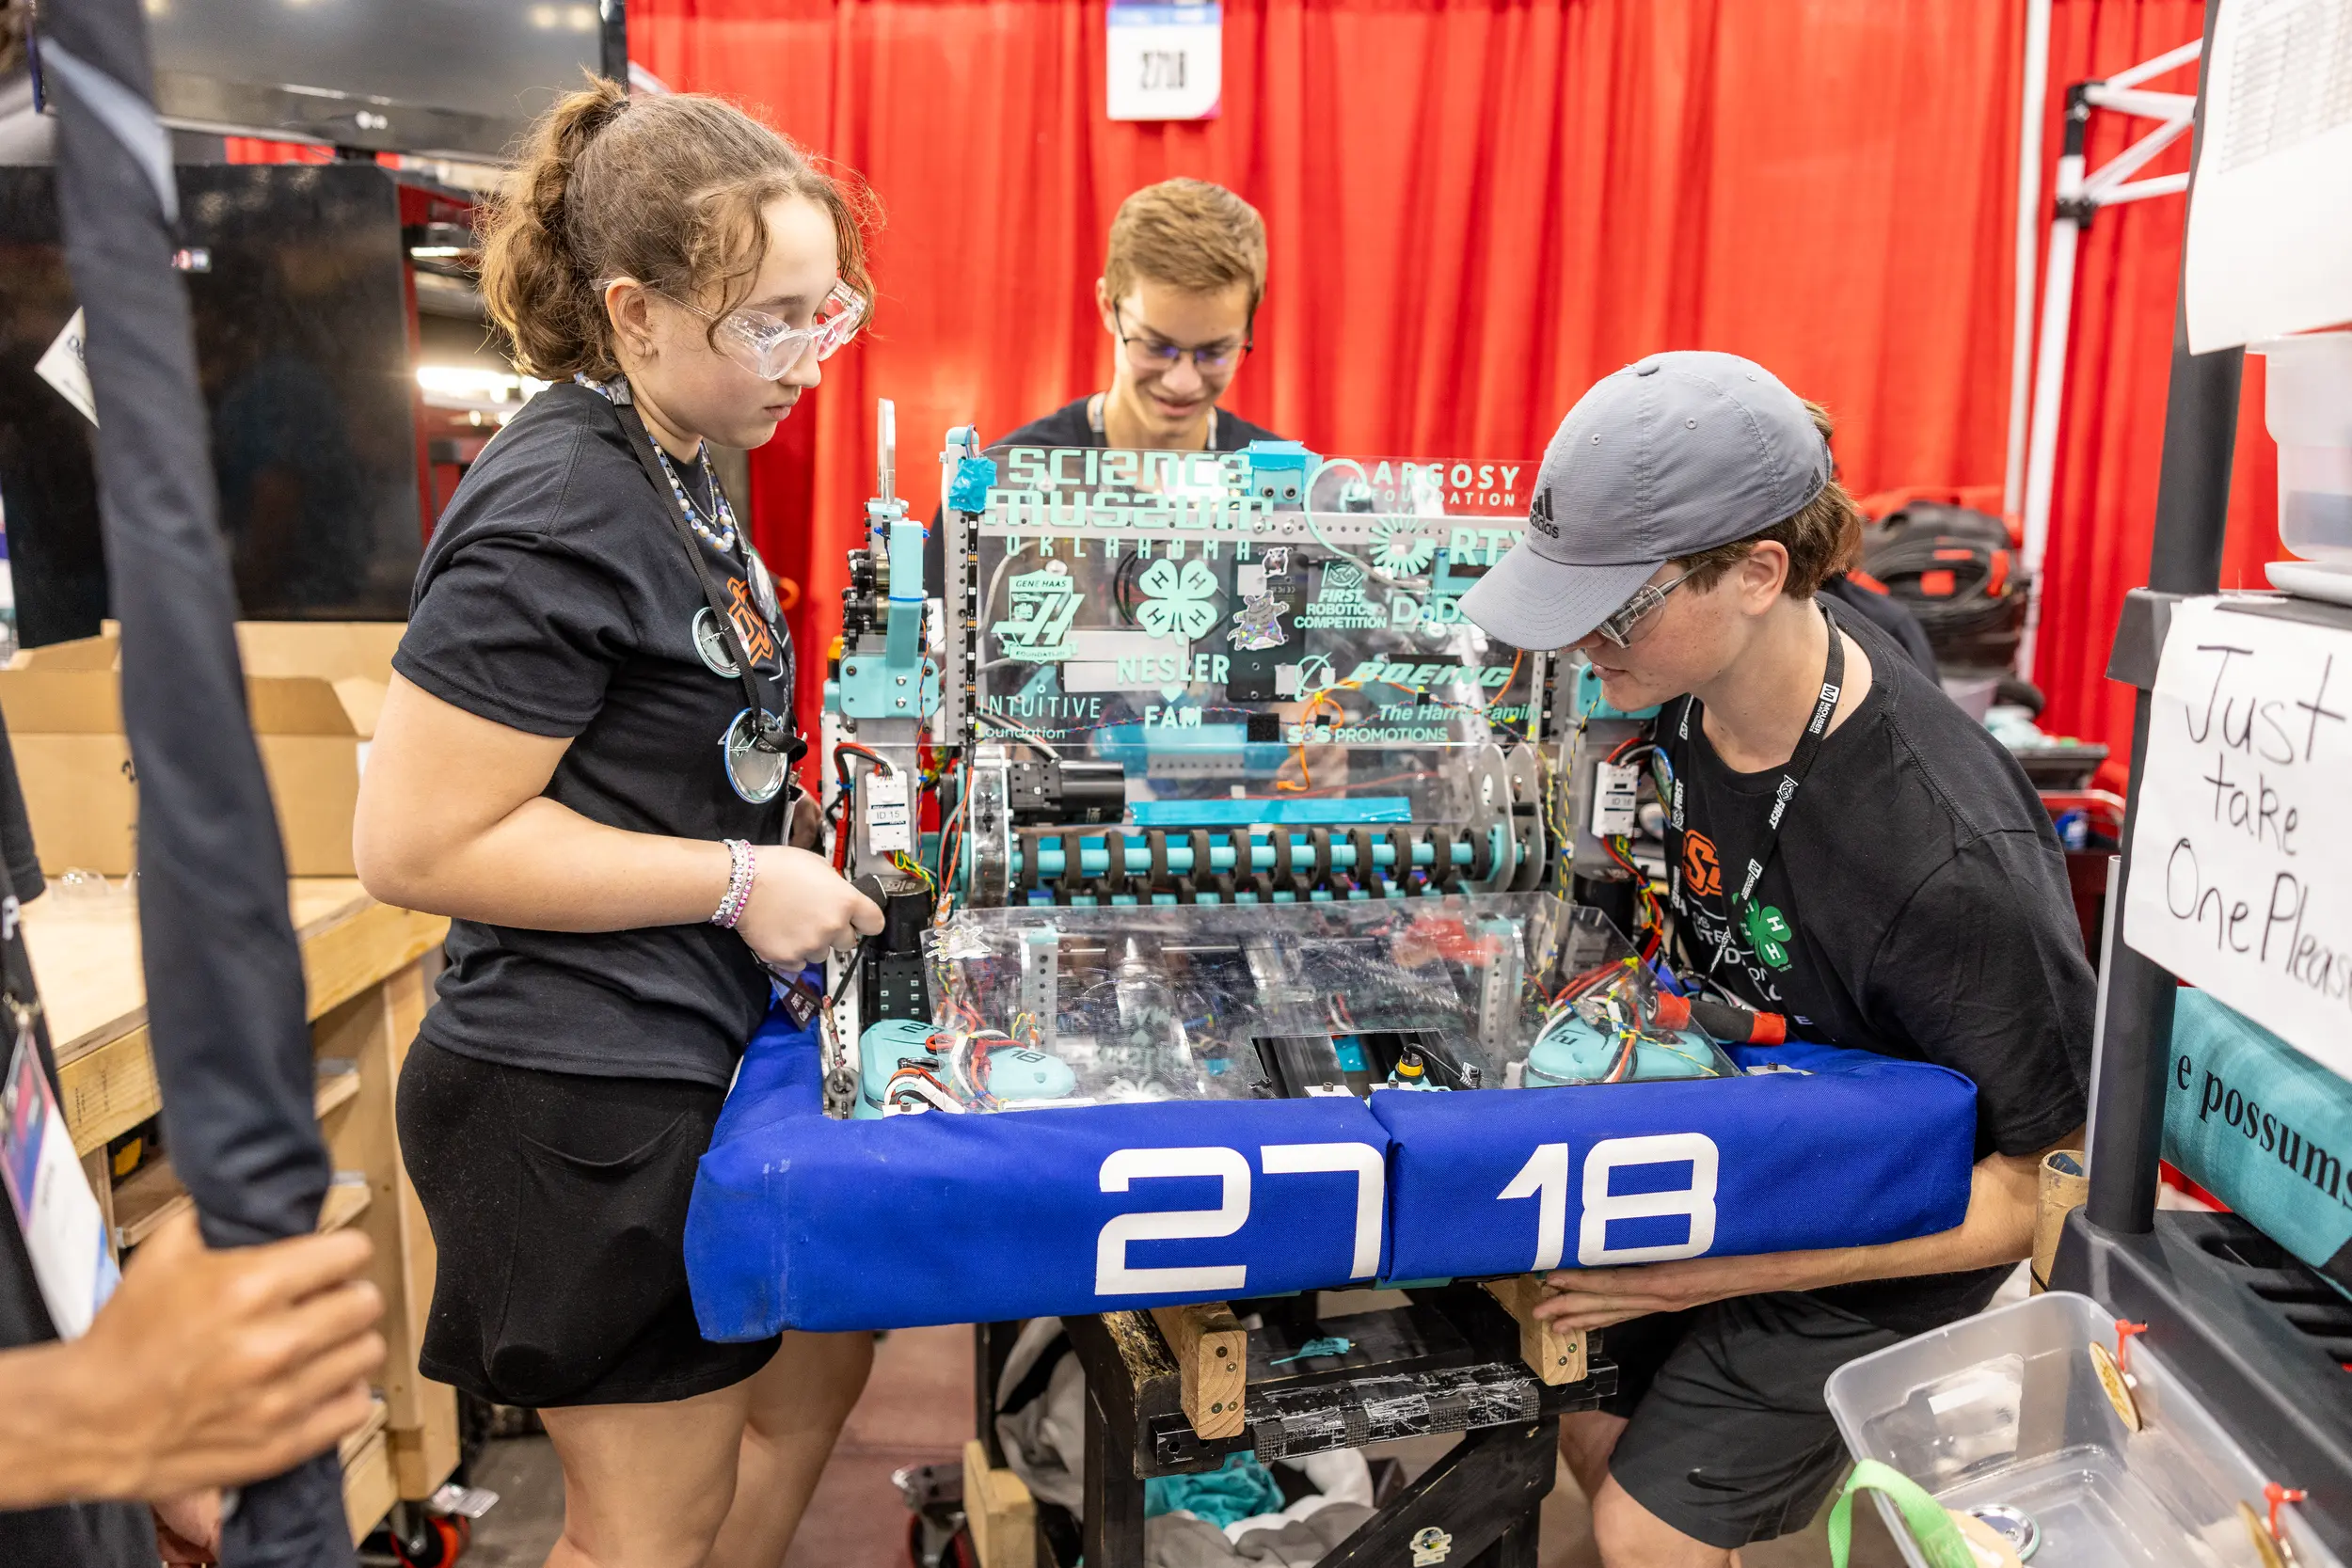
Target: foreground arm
x,y
2003,1193
453,820
206,1369
2010,1007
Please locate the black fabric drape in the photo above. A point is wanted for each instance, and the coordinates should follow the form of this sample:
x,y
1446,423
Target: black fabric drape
x,y
224,976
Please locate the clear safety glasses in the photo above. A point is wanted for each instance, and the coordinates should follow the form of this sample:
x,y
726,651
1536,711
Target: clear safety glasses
x,y
768,346
1633,619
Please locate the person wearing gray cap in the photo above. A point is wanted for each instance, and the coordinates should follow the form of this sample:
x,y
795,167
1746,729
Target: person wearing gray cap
x,y
1847,849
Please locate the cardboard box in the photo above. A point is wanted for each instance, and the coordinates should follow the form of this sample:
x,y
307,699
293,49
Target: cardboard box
x,y
313,689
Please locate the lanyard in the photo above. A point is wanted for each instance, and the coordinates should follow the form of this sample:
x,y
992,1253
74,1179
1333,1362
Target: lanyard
x,y
769,732
1792,773
1094,418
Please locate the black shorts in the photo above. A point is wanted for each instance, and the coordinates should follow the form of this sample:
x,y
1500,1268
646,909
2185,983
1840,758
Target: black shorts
x,y
1729,1438
558,1205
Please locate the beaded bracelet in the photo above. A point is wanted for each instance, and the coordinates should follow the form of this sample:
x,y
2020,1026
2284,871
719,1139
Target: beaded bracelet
x,y
742,867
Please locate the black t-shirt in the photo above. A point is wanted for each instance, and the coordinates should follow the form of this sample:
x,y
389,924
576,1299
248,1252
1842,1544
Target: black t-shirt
x,y
1889,614
78,1535
1072,425
1917,907
556,598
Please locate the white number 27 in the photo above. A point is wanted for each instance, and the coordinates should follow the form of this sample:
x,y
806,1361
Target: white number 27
x,y
1115,1275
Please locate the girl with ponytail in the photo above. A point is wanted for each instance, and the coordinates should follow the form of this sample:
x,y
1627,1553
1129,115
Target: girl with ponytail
x,y
584,760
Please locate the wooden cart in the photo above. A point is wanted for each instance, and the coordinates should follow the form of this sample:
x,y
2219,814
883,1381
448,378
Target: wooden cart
x,y
368,967
1177,1390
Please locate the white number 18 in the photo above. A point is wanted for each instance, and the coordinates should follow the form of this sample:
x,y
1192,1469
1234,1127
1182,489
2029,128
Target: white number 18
x,y
1545,1177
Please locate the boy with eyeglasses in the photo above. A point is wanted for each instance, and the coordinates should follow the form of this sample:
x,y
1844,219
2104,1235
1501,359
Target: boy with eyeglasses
x,y
1178,297
1845,848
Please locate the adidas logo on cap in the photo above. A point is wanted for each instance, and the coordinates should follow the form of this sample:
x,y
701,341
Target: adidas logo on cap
x,y
1539,514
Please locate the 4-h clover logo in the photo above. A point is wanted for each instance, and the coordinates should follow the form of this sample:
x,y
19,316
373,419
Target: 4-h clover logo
x,y
1404,556
1176,604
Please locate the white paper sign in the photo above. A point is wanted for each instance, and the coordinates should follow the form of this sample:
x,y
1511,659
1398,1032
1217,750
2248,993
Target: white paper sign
x,y
61,365
2242,861
1167,61
2270,216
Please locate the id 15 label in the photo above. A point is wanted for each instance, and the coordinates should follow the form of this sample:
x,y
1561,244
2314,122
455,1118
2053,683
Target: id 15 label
x,y
889,819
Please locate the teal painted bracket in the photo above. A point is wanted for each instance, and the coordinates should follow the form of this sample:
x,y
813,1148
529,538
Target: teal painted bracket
x,y
873,686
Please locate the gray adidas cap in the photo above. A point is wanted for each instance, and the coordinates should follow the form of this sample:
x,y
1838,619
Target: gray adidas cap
x,y
1674,454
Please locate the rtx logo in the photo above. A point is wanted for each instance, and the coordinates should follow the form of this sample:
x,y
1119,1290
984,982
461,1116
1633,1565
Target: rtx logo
x,y
1539,514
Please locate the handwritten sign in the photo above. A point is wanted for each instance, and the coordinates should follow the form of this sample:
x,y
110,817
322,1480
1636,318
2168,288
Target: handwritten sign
x,y
2241,865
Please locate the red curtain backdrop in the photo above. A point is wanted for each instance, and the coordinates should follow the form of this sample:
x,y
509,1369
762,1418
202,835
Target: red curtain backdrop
x,y
1476,207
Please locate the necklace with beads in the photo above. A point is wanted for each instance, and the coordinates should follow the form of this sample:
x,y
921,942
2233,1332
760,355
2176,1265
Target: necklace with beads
x,y
719,533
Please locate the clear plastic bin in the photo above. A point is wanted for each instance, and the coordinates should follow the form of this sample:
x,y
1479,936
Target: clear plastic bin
x,y
2006,1408
2307,407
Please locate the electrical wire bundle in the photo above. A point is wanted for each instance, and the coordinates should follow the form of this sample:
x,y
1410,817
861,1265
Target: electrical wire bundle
x,y
916,1087
1650,915
1612,1001
967,1058
1560,836
931,776
845,756
951,843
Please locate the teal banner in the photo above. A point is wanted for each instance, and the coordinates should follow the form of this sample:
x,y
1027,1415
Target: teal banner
x,y
2264,1129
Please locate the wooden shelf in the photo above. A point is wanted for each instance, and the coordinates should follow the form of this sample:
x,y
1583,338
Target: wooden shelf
x,y
345,1201
86,960
336,1089
152,1196
144,1200
378,1413
368,982
370,1487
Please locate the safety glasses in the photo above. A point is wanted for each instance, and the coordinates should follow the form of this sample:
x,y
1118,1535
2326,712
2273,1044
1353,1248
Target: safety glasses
x,y
768,346
1633,619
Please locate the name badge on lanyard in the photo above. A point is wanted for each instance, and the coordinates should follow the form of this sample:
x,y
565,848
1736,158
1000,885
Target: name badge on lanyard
x,y
50,1193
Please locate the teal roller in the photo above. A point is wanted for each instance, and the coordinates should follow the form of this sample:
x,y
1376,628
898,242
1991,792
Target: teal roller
x,y
1094,858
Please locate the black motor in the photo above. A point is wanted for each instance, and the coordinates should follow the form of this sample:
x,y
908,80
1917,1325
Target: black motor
x,y
891,982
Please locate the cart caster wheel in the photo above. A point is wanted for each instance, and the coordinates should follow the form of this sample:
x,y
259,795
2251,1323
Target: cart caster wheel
x,y
955,1552
437,1541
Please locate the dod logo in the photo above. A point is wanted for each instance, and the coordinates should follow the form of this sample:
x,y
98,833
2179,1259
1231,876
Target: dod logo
x,y
1539,514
